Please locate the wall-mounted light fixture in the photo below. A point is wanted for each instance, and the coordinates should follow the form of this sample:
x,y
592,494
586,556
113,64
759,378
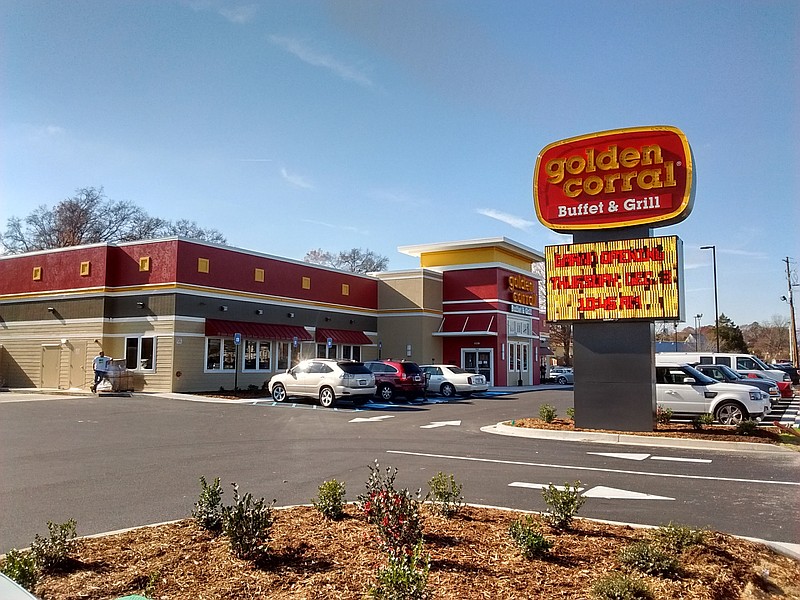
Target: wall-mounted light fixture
x,y
327,318
259,311
223,308
64,341
51,309
140,304
352,321
290,315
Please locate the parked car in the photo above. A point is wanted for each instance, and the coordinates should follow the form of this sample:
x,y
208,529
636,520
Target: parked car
x,y
743,363
326,380
562,375
790,369
397,377
11,590
785,387
728,375
449,380
688,392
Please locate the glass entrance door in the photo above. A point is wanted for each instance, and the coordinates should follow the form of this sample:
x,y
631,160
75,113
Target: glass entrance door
x,y
478,361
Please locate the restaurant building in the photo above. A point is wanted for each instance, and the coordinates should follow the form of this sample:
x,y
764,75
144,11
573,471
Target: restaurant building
x,y
182,315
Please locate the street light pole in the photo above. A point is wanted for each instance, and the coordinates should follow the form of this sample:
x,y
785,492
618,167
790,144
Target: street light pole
x,y
716,300
697,318
793,333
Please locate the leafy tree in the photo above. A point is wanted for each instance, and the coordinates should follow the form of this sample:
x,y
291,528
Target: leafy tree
x,y
731,338
89,217
355,260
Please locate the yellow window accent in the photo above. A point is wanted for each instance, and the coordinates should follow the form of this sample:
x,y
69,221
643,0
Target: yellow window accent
x,y
37,273
259,275
345,289
202,265
85,268
144,263
306,283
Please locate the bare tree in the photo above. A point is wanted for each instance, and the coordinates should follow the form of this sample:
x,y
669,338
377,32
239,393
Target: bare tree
x,y
561,337
355,260
769,340
89,217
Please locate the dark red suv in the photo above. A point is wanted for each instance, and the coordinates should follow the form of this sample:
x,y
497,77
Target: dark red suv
x,y
397,378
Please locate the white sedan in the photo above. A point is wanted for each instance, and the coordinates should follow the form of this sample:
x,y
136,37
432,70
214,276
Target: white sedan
x,y
449,380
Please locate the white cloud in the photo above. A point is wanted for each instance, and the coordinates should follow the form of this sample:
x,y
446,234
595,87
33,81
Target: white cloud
x,y
349,228
318,59
296,180
513,221
239,14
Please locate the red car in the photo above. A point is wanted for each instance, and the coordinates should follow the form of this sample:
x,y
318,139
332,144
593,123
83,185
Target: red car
x,y
397,378
785,387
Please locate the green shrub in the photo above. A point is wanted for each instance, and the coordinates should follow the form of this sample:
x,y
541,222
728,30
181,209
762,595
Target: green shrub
x,y
563,504
648,558
526,534
620,586
395,513
22,568
663,415
676,538
52,552
701,420
547,413
248,524
208,509
330,500
571,412
446,494
404,578
747,427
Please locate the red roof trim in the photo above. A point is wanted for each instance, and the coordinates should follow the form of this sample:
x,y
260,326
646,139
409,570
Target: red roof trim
x,y
343,336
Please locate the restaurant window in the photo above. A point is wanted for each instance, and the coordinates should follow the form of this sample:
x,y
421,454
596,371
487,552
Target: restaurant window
x,y
324,351
284,355
140,353
220,354
257,356
351,353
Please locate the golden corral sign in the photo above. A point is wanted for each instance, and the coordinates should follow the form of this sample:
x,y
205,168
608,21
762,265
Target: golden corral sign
x,y
618,178
615,280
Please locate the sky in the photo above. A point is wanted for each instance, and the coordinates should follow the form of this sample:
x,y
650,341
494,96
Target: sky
x,y
291,125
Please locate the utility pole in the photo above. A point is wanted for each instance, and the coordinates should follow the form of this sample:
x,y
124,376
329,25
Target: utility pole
x,y
793,325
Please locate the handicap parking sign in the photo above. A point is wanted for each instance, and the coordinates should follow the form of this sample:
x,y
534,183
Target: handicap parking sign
x,y
237,338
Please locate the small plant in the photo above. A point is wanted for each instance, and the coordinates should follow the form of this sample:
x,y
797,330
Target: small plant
x,y
52,552
648,558
701,421
446,494
526,534
620,586
248,524
747,427
676,538
663,415
150,585
395,513
405,577
21,567
571,413
330,500
563,504
208,510
547,413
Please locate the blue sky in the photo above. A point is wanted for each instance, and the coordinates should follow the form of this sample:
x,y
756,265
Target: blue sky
x,y
294,125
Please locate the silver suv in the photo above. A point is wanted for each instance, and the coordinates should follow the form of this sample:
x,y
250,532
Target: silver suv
x,y
686,391
326,380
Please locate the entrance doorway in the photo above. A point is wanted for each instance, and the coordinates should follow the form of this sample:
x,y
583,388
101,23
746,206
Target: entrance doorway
x,y
478,361
51,359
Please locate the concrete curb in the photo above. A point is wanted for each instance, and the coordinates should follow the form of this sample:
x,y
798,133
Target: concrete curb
x,y
628,439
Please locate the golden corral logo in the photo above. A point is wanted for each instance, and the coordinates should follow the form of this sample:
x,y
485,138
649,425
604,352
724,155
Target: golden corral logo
x,y
619,178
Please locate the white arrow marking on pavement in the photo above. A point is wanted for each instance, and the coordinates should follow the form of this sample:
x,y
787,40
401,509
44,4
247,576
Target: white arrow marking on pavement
x,y
538,486
625,455
440,424
639,456
364,420
602,491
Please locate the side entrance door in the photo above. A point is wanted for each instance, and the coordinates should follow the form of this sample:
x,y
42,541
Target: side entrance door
x,y
51,359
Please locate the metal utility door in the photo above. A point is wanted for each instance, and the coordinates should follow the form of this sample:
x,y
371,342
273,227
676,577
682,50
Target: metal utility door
x,y
51,359
77,366
478,361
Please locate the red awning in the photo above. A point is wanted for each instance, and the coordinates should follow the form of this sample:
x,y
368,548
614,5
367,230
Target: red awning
x,y
261,331
343,336
479,323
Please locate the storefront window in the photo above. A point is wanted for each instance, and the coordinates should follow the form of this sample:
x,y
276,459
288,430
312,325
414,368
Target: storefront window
x,y
220,354
283,352
257,355
140,353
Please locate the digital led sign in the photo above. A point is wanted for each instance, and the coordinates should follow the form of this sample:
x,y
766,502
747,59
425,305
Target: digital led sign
x,y
637,279
618,178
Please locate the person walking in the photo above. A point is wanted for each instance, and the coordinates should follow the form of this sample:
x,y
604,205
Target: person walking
x,y
100,366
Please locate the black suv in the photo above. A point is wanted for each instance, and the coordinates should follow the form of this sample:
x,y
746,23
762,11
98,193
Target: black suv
x,y
397,377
